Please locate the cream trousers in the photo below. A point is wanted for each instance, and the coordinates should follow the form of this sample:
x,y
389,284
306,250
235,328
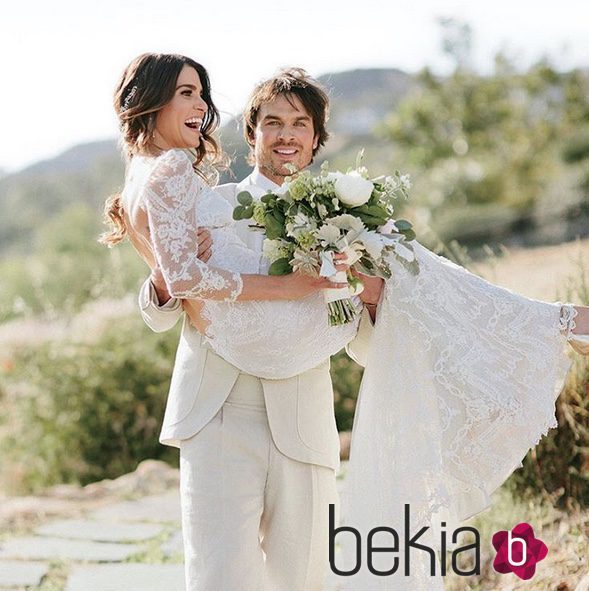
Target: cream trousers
x,y
253,519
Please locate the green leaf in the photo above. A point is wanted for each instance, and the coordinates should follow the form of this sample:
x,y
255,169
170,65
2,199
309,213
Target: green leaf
x,y
280,267
244,198
373,210
371,221
239,213
403,225
274,229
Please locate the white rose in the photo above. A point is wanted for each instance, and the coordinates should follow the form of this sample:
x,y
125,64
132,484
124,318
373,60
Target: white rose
x,y
353,189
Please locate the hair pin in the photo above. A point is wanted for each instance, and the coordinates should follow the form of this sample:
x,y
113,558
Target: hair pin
x,y
129,98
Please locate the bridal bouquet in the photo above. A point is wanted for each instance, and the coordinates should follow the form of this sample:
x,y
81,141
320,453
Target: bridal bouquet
x,y
309,218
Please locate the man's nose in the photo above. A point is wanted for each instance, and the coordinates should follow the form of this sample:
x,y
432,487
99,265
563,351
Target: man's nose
x,y
286,132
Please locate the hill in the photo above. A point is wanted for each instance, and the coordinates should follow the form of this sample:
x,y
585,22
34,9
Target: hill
x,y
88,172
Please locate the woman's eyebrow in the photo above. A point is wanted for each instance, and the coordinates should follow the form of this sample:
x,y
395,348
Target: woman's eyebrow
x,y
191,86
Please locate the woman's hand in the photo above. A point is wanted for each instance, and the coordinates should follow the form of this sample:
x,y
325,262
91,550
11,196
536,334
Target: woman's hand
x,y
299,285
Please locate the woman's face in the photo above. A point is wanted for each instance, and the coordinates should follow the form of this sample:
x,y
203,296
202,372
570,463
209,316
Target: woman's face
x,y
178,123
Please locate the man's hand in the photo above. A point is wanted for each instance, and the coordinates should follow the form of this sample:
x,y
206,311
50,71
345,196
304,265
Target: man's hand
x,y
371,293
205,242
157,280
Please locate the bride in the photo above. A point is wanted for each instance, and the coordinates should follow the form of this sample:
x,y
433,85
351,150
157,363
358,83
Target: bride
x,y
461,376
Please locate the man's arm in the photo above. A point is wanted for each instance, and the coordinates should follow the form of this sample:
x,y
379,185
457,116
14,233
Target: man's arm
x,y
159,317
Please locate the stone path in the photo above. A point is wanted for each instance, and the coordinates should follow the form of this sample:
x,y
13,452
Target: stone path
x,y
123,545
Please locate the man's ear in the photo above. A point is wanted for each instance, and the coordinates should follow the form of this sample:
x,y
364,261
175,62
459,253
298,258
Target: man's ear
x,y
251,142
315,141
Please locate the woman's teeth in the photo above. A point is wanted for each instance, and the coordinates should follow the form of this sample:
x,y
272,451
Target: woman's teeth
x,y
193,123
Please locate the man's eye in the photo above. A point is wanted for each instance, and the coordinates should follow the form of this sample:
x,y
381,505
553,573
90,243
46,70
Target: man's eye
x,y
301,124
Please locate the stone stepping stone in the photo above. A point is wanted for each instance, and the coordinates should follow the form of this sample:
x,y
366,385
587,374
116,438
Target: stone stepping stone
x,y
160,508
127,577
47,548
100,531
17,573
174,544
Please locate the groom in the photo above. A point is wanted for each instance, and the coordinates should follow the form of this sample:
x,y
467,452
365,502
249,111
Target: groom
x,y
231,495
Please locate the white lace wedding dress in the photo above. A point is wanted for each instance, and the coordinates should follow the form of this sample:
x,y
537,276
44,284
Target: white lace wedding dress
x,y
271,338
460,381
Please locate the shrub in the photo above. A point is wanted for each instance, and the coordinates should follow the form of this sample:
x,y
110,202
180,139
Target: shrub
x,y
84,411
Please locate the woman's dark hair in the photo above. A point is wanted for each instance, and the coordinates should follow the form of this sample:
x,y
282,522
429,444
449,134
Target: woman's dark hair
x,y
147,84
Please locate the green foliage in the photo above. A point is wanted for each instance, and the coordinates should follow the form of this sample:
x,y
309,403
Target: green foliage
x,y
68,269
85,176
346,376
496,141
83,411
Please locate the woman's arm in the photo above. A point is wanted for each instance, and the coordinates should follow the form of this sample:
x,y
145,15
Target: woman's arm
x,y
170,203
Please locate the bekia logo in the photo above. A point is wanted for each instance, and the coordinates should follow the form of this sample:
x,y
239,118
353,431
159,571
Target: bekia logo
x,y
518,551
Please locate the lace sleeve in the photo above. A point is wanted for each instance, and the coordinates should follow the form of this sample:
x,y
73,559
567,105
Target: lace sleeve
x,y
170,202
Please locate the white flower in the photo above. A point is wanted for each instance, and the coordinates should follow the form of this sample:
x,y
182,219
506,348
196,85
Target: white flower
x,y
373,243
388,227
274,249
306,262
347,221
333,176
352,189
406,181
328,233
300,224
322,210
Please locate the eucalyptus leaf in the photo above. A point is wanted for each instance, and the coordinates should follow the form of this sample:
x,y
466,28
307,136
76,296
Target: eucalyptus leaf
x,y
280,267
244,198
239,213
403,224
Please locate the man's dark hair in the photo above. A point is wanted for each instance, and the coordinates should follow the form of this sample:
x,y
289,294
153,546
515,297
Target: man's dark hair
x,y
290,83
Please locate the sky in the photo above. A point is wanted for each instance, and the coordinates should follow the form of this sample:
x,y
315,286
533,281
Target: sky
x,y
59,60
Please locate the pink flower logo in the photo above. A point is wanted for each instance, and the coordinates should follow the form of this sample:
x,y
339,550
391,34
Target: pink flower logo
x,y
518,551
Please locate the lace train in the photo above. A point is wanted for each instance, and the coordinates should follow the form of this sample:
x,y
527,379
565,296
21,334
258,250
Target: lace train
x,y
460,383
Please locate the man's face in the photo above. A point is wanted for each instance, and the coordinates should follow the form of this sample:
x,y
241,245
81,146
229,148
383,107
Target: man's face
x,y
284,133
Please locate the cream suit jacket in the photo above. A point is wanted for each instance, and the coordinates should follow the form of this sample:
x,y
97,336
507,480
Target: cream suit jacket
x,y
300,409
